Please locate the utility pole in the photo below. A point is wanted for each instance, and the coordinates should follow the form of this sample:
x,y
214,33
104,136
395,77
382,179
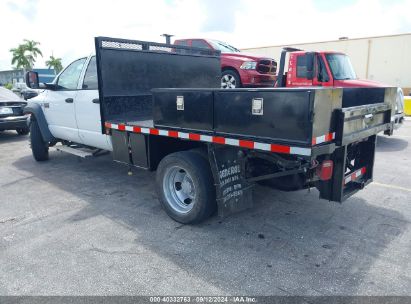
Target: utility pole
x,y
168,38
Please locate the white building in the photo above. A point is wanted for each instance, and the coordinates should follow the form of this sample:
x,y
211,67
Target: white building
x,y
386,59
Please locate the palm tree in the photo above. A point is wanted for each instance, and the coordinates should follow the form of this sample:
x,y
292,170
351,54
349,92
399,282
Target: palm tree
x,y
19,58
54,63
31,48
24,56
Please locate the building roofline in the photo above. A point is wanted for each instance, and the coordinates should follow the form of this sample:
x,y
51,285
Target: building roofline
x,y
12,70
325,41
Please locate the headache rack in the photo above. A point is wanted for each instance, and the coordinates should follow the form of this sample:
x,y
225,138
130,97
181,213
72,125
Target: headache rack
x,y
132,68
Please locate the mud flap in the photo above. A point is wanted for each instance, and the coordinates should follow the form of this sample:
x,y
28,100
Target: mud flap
x,y
233,192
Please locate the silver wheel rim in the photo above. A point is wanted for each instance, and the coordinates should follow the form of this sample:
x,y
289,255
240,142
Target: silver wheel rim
x,y
179,189
228,82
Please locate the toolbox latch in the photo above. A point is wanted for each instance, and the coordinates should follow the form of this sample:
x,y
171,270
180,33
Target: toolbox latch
x,y
257,106
180,103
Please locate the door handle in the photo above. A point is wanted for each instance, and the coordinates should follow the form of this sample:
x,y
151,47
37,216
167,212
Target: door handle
x,y
96,100
69,100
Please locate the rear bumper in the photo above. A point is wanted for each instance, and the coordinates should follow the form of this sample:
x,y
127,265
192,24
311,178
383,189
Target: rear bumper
x,y
398,120
13,122
252,78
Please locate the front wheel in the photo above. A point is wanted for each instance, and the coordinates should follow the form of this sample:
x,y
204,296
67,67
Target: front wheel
x,y
230,80
39,148
185,187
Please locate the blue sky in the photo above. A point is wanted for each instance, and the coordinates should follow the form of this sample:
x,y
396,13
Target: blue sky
x,y
66,27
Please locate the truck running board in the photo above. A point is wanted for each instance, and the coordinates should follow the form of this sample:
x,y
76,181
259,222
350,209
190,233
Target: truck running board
x,y
74,151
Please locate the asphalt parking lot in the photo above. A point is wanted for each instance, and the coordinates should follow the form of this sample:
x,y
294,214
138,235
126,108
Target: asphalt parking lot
x,y
71,227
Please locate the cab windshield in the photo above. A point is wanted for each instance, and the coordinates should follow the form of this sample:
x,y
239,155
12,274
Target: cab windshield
x,y
341,67
223,47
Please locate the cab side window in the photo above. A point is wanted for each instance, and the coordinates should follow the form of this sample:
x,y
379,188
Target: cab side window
x,y
90,78
182,42
322,74
302,66
200,44
68,80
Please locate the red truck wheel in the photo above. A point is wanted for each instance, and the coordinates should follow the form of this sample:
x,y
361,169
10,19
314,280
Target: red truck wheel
x,y
230,80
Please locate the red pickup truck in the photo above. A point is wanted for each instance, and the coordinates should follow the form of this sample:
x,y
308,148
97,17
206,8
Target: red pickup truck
x,y
238,69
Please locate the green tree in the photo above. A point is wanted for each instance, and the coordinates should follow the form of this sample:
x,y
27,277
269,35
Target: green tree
x,y
24,56
54,63
8,86
19,58
32,51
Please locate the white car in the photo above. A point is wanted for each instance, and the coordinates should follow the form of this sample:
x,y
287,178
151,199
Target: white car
x,y
11,112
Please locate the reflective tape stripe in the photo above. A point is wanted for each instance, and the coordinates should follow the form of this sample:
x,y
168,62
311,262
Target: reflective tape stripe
x,y
246,144
232,142
213,139
206,138
300,151
280,149
173,133
323,138
194,136
355,175
183,135
264,147
219,140
163,132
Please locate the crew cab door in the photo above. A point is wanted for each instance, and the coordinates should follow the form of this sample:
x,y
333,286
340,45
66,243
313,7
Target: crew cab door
x,y
59,108
87,107
297,71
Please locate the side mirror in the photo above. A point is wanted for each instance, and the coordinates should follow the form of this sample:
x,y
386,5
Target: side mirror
x,y
310,65
32,80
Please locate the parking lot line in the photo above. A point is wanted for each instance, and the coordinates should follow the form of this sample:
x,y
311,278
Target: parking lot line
x,y
391,186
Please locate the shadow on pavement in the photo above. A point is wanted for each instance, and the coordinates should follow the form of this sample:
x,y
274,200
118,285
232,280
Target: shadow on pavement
x,y
11,136
391,144
288,244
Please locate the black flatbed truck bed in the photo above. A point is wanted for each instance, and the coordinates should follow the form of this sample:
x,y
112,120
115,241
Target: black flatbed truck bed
x,y
162,104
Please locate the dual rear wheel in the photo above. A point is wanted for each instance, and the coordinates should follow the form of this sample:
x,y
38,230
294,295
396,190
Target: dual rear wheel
x,y
185,187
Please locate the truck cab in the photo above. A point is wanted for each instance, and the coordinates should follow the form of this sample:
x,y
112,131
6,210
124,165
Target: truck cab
x,y
328,69
331,69
71,105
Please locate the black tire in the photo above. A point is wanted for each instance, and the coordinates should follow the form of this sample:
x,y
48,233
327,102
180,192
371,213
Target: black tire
x,y
233,77
23,131
197,167
39,148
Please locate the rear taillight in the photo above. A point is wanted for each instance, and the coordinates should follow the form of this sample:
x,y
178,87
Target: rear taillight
x,y
325,170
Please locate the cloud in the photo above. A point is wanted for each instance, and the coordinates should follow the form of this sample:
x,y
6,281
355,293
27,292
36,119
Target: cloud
x,y
220,15
302,21
27,8
66,28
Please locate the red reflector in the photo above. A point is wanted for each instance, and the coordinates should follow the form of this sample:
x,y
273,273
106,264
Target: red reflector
x,y
325,170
